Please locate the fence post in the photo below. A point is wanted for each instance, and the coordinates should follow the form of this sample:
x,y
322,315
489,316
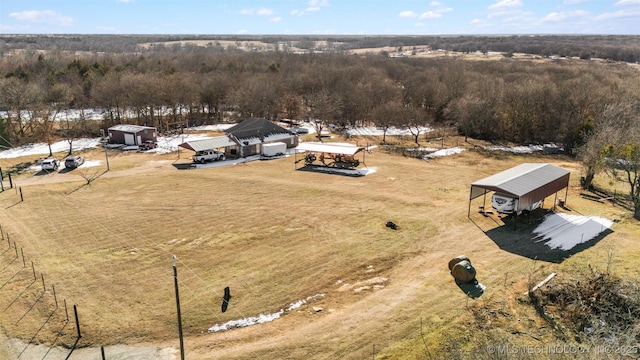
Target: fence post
x,y
75,311
54,295
21,198
10,182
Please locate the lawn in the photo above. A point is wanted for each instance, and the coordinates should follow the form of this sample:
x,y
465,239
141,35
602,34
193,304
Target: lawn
x,y
275,236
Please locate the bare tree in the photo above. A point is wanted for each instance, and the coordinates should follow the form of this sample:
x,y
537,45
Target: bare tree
x,y
388,115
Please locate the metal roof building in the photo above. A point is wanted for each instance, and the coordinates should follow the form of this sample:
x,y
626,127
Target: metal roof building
x,y
208,143
528,183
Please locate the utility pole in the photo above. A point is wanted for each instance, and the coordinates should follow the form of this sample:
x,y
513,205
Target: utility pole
x,y
175,281
104,144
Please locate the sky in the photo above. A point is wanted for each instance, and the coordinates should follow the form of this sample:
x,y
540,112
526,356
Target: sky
x,y
320,17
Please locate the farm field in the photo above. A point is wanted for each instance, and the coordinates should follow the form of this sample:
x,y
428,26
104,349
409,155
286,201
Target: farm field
x,y
276,235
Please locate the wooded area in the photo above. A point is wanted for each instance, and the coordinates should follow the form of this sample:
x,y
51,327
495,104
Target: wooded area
x,y
591,108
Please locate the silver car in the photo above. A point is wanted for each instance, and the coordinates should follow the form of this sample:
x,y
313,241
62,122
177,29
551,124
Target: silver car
x,y
73,162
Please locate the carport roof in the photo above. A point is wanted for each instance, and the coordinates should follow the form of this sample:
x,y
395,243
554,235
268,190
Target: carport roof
x,y
333,148
208,143
523,179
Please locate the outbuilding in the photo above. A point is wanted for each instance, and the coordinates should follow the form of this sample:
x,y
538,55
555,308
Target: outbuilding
x,y
526,183
252,133
132,134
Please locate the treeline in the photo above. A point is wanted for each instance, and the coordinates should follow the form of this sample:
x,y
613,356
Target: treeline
x,y
506,100
611,47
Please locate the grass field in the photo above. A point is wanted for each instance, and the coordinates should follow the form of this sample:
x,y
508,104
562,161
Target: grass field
x,y
275,236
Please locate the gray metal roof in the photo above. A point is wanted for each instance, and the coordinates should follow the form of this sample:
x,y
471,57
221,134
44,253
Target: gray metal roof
x,y
208,143
130,128
522,180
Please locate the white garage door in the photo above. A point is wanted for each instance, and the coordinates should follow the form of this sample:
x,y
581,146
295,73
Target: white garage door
x,y
129,139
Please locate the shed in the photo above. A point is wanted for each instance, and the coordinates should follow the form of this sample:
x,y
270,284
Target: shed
x,y
527,183
250,134
131,134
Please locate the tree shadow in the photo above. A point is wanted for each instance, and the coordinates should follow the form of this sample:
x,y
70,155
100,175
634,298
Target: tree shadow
x,y
517,237
89,180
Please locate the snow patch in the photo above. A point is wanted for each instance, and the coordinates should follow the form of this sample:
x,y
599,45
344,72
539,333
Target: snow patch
x,y
262,318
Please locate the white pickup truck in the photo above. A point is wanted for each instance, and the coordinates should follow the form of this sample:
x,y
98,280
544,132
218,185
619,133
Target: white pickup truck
x,y
207,155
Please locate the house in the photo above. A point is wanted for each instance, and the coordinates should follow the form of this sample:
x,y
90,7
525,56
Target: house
x,y
131,134
252,133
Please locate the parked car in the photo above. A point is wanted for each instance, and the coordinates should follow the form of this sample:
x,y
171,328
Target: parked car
x,y
50,164
208,155
299,130
147,145
73,162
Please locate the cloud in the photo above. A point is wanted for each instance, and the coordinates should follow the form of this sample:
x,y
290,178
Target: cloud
x,y
125,1
561,16
265,12
573,2
314,6
430,15
43,16
627,2
407,14
275,19
506,4
620,14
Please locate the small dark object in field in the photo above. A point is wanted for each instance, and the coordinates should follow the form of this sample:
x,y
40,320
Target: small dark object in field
x,y
391,225
226,298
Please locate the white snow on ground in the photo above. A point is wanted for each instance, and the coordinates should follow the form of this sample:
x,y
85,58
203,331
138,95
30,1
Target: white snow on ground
x,y
375,131
262,318
516,149
565,231
43,149
443,152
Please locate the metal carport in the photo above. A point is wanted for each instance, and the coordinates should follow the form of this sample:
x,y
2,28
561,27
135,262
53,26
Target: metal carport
x,y
208,143
528,183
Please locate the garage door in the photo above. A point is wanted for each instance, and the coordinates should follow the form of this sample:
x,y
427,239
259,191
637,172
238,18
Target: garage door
x,y
129,139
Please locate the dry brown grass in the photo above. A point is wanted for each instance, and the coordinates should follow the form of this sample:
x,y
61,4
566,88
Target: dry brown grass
x,y
274,236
